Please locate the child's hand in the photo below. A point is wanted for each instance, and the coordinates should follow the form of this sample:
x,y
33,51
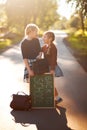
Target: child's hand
x,y
39,56
52,72
31,73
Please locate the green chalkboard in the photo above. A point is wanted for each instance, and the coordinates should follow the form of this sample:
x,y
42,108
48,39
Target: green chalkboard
x,y
42,91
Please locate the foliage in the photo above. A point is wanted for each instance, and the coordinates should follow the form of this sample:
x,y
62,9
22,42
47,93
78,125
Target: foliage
x,y
3,17
80,33
15,14
21,12
5,43
85,23
81,6
79,41
60,24
75,22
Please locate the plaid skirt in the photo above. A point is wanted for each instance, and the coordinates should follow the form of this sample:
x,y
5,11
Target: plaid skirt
x,y
58,71
26,74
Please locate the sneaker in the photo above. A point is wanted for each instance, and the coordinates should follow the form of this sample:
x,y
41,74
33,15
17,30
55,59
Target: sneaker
x,y
58,100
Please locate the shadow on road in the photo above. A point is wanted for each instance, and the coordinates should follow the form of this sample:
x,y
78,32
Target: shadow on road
x,y
44,119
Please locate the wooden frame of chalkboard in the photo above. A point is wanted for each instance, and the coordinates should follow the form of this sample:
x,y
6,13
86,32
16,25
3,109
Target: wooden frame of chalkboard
x,y
42,91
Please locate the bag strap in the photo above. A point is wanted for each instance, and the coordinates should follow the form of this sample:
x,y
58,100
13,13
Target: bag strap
x,y
21,92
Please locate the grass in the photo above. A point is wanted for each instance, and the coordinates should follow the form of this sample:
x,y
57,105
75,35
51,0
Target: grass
x,y
78,41
5,43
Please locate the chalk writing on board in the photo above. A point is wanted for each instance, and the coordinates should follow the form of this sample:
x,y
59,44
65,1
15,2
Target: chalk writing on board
x,y
42,90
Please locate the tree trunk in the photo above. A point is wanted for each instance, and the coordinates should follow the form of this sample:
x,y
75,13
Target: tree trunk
x,y
82,20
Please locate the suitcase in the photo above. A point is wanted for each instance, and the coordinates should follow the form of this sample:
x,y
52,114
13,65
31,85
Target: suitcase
x,y
42,91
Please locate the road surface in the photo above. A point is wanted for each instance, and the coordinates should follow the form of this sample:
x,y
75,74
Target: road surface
x,y
71,113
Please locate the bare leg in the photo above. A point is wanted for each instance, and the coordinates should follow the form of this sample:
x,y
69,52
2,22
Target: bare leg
x,y
56,97
56,93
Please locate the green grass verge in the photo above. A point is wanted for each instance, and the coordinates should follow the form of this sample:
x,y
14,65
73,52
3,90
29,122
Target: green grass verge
x,y
5,43
78,43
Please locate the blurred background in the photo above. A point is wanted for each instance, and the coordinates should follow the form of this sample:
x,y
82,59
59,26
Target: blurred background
x,y
67,15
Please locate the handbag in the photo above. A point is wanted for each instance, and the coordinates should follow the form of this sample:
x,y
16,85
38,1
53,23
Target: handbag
x,y
21,101
40,66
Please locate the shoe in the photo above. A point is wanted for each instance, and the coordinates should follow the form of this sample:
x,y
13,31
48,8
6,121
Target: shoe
x,y
58,100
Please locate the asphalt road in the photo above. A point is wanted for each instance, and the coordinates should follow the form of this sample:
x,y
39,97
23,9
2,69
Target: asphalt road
x,y
71,113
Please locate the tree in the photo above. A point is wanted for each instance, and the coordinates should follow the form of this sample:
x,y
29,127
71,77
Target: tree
x,y
75,22
3,17
81,6
41,12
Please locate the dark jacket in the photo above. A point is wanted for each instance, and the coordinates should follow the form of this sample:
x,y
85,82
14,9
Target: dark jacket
x,y
50,53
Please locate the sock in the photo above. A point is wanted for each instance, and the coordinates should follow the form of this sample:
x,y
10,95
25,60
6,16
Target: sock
x,y
56,98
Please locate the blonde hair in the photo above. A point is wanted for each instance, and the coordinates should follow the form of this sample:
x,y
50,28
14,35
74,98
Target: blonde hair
x,y
30,27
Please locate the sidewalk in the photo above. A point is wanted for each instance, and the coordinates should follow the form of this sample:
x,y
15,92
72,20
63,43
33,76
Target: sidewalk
x,y
71,113
72,88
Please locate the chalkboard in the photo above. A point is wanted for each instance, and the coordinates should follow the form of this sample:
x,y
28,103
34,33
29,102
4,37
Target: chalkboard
x,y
42,91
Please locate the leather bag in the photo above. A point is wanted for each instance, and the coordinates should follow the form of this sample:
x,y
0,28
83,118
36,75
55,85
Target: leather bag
x,y
21,101
40,66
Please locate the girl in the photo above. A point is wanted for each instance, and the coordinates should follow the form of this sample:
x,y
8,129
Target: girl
x,y
30,48
50,53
